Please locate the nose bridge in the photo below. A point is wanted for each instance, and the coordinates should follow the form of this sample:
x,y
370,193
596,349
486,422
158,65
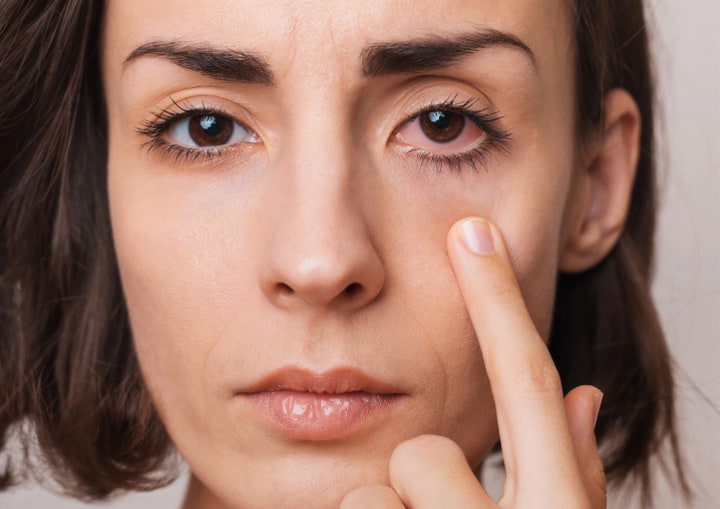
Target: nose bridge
x,y
321,251
318,161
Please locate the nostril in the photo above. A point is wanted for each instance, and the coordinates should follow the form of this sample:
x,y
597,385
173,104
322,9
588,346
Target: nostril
x,y
284,289
352,289
318,293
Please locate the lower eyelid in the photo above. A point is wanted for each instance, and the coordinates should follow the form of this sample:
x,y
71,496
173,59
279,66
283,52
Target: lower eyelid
x,y
183,154
473,159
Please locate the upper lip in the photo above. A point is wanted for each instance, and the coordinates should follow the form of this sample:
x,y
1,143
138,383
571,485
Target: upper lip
x,y
334,381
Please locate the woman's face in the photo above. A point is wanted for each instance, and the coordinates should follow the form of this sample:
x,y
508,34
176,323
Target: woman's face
x,y
282,180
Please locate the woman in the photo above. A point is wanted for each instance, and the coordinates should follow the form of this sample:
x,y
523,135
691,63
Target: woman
x,y
320,248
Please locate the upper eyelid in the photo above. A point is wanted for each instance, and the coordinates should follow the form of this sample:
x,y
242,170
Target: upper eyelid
x,y
165,117
452,103
182,111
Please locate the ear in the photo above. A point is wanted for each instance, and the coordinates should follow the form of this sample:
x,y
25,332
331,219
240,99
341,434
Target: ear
x,y
600,196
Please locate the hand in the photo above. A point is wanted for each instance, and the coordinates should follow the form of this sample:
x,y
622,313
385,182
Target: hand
x,y
548,442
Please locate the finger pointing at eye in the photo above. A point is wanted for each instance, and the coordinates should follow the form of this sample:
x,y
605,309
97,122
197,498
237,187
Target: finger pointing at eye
x,y
536,442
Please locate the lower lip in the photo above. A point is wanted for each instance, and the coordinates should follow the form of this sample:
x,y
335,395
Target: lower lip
x,y
316,416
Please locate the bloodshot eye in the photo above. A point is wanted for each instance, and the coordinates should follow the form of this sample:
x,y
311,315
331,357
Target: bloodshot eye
x,y
208,130
440,129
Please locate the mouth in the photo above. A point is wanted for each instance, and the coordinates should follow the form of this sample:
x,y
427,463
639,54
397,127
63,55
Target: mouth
x,y
303,405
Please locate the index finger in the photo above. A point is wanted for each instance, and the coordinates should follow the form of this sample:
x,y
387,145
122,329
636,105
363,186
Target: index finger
x,y
537,446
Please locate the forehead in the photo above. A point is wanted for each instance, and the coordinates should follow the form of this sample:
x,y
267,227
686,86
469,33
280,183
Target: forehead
x,y
314,34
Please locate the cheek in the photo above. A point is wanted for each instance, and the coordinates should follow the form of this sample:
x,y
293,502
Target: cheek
x,y
534,256
173,260
532,232
433,316
525,200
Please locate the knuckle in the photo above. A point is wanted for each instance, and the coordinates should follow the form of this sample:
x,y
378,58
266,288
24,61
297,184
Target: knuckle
x,y
538,374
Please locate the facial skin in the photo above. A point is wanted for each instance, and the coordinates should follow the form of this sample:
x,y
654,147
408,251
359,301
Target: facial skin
x,y
317,238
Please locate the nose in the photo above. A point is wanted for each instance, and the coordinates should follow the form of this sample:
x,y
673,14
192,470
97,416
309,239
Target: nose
x,y
321,252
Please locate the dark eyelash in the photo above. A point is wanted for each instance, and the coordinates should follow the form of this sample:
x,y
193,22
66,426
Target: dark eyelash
x,y
475,158
164,119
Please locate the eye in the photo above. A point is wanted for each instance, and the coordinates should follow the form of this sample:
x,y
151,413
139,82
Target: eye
x,y
209,130
440,129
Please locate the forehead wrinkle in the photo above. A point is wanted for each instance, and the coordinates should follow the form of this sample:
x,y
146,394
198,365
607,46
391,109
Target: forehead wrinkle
x,y
321,60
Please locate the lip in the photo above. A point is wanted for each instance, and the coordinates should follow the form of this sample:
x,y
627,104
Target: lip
x,y
324,406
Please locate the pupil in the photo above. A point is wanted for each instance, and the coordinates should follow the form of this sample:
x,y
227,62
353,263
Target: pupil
x,y
209,124
439,119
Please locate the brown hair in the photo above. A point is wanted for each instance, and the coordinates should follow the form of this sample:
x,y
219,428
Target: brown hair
x,y
68,364
606,330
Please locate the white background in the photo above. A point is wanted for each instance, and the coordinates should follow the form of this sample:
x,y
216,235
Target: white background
x,y
687,286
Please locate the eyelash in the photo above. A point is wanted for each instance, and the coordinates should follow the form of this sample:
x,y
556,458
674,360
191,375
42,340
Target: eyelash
x,y
497,138
164,119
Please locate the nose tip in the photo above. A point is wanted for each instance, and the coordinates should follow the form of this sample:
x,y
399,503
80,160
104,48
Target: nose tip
x,y
318,289
350,277
319,283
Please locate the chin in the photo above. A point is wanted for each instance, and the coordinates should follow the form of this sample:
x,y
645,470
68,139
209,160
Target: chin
x,y
313,477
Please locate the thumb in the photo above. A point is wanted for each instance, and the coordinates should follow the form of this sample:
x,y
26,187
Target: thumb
x,y
582,405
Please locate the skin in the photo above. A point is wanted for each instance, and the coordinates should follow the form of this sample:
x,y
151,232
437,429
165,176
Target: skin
x,y
237,263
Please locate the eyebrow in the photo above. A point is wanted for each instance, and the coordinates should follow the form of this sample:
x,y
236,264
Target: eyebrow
x,y
377,59
217,63
436,53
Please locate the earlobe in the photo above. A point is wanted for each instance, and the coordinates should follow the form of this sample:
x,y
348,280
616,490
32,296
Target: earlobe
x,y
605,186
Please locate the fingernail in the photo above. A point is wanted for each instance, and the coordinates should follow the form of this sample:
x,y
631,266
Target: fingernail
x,y
477,236
598,402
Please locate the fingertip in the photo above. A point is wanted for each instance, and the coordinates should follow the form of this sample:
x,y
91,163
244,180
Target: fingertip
x,y
371,497
423,450
479,257
477,236
583,406
433,471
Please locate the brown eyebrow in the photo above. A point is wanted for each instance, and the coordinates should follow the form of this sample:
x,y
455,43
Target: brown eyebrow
x,y
220,64
436,53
